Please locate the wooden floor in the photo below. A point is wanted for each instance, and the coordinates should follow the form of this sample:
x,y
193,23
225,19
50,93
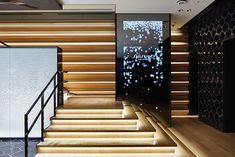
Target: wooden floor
x,y
92,103
203,140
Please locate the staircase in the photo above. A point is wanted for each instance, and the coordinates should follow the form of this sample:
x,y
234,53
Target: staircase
x,y
111,129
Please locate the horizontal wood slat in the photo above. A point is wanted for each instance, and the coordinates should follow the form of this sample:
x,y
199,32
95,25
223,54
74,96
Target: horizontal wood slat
x,y
88,58
180,57
59,38
57,27
90,48
90,86
89,77
179,48
58,21
179,107
89,67
179,95
98,93
179,76
179,38
179,86
73,48
179,67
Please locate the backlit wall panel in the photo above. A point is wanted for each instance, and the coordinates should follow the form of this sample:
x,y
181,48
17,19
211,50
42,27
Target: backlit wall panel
x,y
24,74
143,59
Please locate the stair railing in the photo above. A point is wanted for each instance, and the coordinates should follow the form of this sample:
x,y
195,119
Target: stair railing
x,y
57,93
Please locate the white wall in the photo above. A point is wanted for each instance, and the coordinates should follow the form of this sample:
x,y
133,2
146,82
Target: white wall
x,y
24,73
153,6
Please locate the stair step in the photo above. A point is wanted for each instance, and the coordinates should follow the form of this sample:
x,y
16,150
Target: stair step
x,y
89,113
103,149
93,134
92,127
75,121
107,116
97,141
108,155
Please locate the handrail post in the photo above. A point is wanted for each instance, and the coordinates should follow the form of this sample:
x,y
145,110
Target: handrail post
x,y
42,117
55,96
26,135
60,89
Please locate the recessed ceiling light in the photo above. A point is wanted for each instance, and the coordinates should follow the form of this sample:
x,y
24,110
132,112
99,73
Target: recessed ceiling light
x,y
180,2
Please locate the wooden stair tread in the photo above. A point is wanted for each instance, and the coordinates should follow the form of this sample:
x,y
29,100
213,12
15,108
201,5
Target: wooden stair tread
x,y
80,143
92,119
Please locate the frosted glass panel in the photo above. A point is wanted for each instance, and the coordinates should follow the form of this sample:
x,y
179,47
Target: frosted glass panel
x,y
30,69
4,93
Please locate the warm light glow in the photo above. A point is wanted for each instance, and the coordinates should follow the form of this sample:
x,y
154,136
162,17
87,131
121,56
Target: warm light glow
x,y
92,82
88,63
179,91
87,53
179,53
59,43
181,72
179,82
178,63
57,33
179,43
90,73
55,24
180,101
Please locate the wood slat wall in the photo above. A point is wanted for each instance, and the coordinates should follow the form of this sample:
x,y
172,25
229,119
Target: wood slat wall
x,y
88,53
180,72
88,49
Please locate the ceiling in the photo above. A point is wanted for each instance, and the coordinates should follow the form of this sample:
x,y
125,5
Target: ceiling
x,y
181,14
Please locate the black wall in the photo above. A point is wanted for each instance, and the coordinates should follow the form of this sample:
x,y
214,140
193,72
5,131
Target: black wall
x,y
207,32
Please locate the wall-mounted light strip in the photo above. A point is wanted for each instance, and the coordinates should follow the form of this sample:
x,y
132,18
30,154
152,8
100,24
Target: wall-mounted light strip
x,y
60,43
178,63
57,33
180,92
90,82
179,43
13,25
180,82
87,53
180,72
100,63
90,73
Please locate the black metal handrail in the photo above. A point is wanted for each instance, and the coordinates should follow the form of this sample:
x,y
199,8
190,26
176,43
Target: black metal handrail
x,y
58,86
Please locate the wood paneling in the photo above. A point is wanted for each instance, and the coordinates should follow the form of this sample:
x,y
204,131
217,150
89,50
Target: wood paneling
x,y
179,86
179,38
89,67
179,57
179,95
90,86
57,21
58,27
78,38
179,76
183,67
89,77
88,48
59,38
179,48
180,72
88,58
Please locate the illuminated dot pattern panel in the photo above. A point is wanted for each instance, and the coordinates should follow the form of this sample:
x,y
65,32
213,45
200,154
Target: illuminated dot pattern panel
x,y
142,54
